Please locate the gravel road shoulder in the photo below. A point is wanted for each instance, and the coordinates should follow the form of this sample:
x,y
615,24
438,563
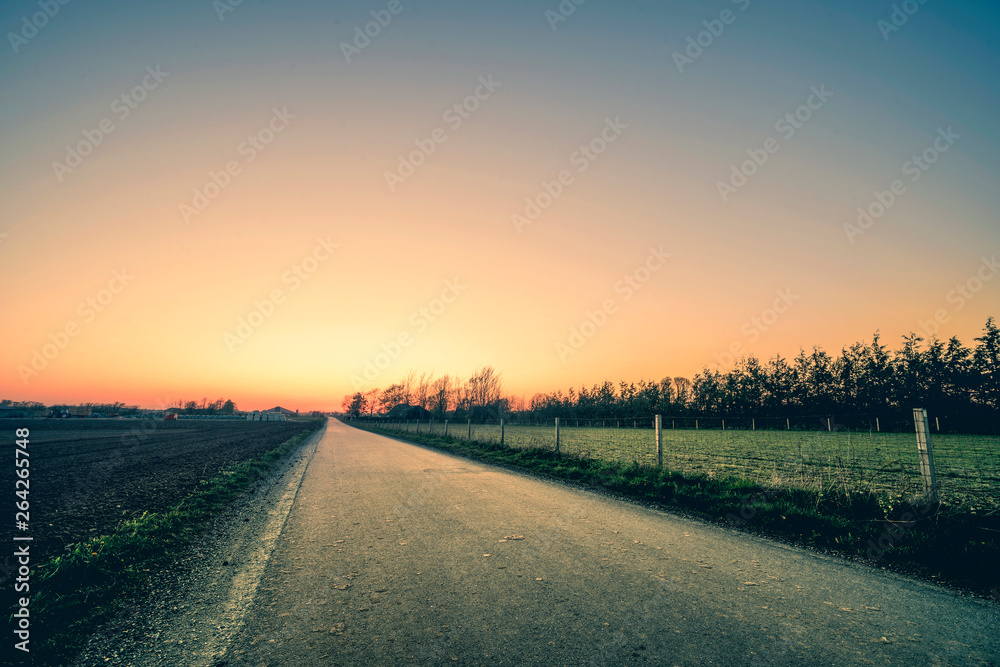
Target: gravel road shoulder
x,y
191,611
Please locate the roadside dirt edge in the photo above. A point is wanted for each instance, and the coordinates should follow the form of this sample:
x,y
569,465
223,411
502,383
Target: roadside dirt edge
x,y
192,612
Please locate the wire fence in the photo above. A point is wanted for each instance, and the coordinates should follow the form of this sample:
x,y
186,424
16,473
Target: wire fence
x,y
809,453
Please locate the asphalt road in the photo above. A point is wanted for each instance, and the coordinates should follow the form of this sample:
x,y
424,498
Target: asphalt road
x,y
397,555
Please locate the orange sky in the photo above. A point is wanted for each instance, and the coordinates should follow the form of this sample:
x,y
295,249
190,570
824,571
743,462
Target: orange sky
x,y
310,218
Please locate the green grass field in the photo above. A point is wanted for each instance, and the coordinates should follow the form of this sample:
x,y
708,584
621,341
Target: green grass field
x,y
967,466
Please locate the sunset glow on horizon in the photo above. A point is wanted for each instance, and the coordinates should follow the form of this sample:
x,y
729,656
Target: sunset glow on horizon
x,y
256,203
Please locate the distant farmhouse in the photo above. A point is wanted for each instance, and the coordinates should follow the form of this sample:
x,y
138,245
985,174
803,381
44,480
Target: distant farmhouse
x,y
409,412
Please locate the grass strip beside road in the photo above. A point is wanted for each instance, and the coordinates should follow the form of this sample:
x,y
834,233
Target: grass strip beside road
x,y
933,541
86,587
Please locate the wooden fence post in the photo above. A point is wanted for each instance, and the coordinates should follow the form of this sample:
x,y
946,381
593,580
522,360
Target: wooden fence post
x,y
470,431
924,451
446,428
501,432
659,441
557,434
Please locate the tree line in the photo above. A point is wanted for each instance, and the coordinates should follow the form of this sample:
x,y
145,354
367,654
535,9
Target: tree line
x,y
946,377
480,396
216,407
203,407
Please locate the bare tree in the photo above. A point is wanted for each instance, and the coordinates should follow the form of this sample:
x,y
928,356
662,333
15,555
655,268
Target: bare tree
x,y
683,390
407,386
442,395
422,395
371,400
484,390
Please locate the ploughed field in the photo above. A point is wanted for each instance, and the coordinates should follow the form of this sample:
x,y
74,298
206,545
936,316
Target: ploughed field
x,y
87,475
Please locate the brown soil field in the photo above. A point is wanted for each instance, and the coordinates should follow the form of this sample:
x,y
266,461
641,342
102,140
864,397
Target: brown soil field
x,y
87,475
